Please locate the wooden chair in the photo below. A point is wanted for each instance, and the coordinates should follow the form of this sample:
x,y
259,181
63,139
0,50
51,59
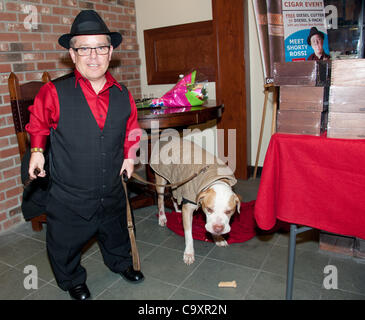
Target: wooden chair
x,y
21,97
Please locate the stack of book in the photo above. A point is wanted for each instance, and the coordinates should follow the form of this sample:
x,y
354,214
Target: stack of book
x,y
303,103
346,117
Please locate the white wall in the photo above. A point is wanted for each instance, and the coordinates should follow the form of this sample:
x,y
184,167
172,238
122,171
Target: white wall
x,y
161,13
257,93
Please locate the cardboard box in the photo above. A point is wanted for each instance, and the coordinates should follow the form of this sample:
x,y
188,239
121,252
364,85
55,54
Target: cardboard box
x,y
297,129
336,243
339,244
359,248
345,133
346,125
301,122
346,120
348,72
302,73
303,98
346,99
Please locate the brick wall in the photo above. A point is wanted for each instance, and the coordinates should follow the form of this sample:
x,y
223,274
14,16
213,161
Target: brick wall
x,y
28,47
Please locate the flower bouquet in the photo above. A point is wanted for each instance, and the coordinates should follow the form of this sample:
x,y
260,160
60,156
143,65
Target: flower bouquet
x,y
187,92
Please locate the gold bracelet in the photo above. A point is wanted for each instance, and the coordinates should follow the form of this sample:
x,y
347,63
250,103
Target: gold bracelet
x,y
36,150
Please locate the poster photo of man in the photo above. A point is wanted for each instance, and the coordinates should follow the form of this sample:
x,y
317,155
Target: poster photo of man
x,y
315,40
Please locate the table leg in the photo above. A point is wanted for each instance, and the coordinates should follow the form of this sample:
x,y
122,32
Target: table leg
x,y
291,258
291,261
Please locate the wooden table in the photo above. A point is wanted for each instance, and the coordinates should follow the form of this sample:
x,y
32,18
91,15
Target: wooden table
x,y
167,117
180,116
312,182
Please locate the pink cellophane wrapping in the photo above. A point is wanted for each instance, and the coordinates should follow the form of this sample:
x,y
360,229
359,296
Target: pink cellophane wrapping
x,y
176,97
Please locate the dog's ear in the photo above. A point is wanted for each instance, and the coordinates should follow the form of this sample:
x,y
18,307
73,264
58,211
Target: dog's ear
x,y
200,197
238,200
225,180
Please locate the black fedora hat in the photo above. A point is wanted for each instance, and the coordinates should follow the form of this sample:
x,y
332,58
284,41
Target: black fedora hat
x,y
312,32
88,22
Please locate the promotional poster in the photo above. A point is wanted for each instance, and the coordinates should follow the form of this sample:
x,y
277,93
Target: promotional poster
x,y
305,30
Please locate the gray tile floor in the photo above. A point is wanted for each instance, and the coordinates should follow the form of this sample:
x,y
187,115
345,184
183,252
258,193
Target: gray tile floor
x,y
258,266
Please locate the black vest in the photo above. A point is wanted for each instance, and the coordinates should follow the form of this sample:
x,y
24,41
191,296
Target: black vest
x,y
85,162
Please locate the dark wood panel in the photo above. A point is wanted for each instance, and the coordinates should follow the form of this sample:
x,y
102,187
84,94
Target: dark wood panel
x,y
228,24
175,50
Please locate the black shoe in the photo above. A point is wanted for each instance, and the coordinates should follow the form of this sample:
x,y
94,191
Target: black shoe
x,y
132,275
80,292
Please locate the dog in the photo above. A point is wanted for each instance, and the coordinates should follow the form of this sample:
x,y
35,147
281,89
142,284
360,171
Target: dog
x,y
210,189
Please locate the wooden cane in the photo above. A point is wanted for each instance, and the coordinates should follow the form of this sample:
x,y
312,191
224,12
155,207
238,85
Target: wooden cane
x,y
134,249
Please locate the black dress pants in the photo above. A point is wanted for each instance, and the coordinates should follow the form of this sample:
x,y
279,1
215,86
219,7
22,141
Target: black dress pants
x,y
67,234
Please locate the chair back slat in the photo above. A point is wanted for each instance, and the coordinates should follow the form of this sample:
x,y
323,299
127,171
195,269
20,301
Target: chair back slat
x,y
21,97
29,90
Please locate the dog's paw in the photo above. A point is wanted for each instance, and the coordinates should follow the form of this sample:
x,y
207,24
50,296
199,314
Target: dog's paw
x,y
162,220
189,258
222,243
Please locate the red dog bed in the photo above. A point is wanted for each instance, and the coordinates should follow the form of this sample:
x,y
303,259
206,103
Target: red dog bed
x,y
243,225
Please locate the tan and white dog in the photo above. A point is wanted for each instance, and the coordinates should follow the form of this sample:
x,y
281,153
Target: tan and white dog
x,y
211,190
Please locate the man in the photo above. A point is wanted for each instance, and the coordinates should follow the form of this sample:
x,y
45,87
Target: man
x,y
92,123
315,40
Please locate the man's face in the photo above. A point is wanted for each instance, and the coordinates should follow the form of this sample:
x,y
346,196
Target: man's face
x,y
317,44
93,66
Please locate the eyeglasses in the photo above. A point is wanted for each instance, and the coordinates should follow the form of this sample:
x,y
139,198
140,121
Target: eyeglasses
x,y
86,51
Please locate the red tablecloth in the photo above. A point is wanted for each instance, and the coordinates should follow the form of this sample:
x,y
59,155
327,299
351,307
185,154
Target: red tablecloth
x,y
313,181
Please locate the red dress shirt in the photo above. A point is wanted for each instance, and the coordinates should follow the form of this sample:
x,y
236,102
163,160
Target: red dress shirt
x,y
44,113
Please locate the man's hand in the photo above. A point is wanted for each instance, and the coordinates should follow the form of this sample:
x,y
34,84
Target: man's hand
x,y
36,161
128,165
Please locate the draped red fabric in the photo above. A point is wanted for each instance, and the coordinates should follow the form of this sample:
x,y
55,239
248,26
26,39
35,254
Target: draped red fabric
x,y
313,181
